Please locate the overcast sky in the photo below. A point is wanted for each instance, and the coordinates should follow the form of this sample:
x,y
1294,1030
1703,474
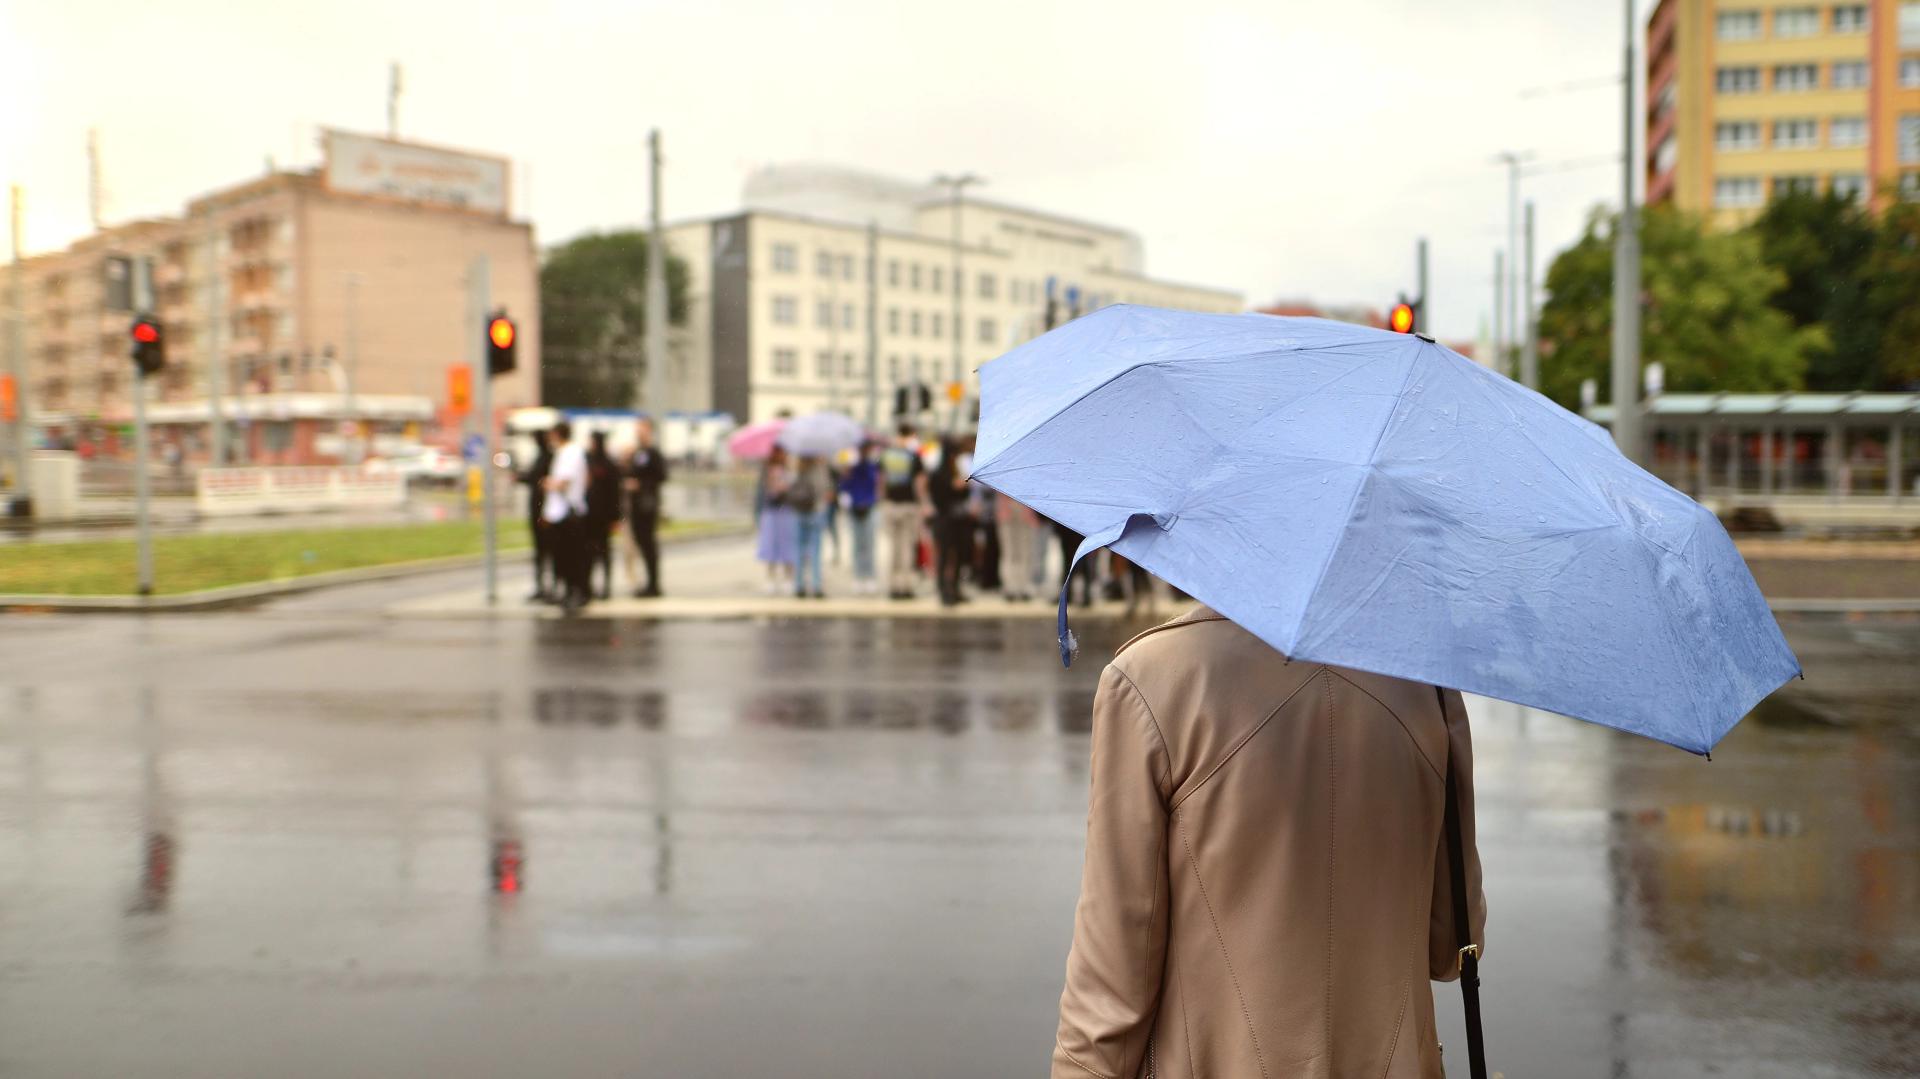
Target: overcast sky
x,y
1281,148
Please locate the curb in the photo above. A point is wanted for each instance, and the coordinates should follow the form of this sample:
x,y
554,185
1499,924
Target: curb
x,y
213,599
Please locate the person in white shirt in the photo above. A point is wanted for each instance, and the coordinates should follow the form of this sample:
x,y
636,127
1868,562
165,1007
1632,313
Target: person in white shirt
x,y
564,514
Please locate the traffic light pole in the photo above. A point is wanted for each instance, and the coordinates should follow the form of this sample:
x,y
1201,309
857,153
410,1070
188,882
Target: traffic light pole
x,y
142,452
873,326
17,359
479,306
1424,323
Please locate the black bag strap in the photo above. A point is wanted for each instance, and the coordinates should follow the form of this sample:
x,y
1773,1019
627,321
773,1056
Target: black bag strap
x,y
1462,919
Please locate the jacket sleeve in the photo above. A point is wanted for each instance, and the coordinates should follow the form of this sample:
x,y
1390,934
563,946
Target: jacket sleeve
x,y
1120,925
1443,946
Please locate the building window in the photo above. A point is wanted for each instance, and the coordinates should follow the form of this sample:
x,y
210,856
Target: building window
x,y
893,368
786,310
786,258
846,316
1909,139
1910,185
1790,185
1664,101
1850,185
893,321
1737,25
846,366
1796,22
936,280
913,277
1910,24
913,323
893,272
1666,156
989,331
1910,73
1737,80
823,314
1795,78
1847,132
1734,192
1736,135
846,267
786,362
1850,18
823,365
934,325
989,286
1849,74
1796,134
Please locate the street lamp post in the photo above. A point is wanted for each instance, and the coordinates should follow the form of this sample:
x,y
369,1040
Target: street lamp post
x,y
1625,381
957,184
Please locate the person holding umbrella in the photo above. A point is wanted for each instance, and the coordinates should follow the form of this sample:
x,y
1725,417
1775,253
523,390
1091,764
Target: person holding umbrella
x,y
1280,834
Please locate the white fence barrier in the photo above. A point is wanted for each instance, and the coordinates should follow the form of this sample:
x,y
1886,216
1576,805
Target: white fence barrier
x,y
295,490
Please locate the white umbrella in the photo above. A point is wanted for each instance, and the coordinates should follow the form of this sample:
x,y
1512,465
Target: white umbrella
x,y
821,434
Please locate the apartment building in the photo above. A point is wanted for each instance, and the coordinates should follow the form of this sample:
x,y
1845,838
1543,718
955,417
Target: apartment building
x,y
781,294
1747,99
326,296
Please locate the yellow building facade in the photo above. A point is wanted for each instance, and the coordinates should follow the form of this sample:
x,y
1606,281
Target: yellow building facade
x,y
1747,99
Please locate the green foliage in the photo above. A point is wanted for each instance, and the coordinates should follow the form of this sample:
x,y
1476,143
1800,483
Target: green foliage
x,y
1707,319
1823,243
593,318
1892,289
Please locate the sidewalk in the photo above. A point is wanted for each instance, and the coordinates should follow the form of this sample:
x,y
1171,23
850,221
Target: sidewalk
x,y
720,579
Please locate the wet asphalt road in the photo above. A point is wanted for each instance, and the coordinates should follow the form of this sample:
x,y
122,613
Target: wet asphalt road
x,y
310,841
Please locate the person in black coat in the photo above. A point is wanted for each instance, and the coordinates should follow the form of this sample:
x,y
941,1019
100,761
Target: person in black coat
x,y
535,478
603,511
646,474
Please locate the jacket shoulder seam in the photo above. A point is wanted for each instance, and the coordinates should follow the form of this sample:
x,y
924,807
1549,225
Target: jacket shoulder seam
x,y
1417,748
1153,721
1244,739
1178,623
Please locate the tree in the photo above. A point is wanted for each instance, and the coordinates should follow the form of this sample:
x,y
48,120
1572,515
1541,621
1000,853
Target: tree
x,y
1707,317
1823,243
1893,295
593,318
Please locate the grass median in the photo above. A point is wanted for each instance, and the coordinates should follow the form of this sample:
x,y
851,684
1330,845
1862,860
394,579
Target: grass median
x,y
199,562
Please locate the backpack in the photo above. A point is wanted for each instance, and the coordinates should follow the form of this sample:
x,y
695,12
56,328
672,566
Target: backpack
x,y
802,495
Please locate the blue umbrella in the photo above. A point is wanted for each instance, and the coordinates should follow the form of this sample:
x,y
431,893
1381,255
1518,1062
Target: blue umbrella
x,y
1372,500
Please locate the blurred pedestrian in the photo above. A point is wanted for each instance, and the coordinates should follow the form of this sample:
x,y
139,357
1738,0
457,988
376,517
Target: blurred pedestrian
x,y
809,495
1017,526
1269,880
646,474
859,493
535,478
565,515
776,522
603,511
904,505
952,521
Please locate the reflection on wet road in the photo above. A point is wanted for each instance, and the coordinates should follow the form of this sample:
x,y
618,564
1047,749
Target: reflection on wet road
x,y
332,844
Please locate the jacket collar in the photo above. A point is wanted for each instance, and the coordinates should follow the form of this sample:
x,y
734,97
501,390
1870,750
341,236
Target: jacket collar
x,y
1199,613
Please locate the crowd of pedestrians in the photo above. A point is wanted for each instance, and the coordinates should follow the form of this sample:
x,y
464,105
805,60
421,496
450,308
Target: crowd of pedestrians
x,y
583,501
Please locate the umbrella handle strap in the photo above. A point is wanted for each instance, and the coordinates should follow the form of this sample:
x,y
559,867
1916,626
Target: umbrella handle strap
x,y
1106,537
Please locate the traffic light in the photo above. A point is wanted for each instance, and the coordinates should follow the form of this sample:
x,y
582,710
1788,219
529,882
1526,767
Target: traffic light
x,y
149,345
502,336
1401,318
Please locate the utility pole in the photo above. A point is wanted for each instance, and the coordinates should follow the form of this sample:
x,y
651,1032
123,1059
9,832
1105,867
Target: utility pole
x,y
957,184
1513,321
873,325
1499,312
1626,277
1530,322
142,452
216,364
656,336
1424,323
479,307
17,367
393,100
355,451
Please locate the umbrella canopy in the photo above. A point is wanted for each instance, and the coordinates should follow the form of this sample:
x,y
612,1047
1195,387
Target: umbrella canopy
x,y
1372,500
755,440
821,434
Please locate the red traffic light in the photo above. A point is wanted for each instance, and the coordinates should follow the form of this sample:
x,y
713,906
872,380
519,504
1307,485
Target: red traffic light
x,y
1400,319
500,332
145,332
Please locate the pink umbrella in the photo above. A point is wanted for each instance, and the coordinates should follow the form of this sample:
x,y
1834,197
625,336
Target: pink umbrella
x,y
754,441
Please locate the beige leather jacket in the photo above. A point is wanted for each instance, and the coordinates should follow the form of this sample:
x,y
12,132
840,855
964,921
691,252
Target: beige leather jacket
x,y
1266,887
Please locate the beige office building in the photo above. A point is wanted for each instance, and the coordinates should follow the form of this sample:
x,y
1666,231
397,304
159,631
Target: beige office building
x,y
781,296
300,299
